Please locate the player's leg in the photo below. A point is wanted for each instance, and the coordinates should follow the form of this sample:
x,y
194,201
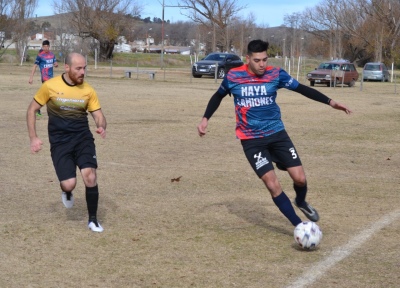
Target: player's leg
x,y
65,168
284,152
260,160
87,163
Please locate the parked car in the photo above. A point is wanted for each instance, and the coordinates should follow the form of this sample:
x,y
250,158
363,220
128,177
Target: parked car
x,y
207,65
376,71
333,73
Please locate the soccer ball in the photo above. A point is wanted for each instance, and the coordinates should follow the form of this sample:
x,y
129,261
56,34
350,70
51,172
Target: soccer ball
x,y
308,235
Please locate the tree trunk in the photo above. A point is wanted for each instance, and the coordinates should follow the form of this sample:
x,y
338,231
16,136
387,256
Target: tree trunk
x,y
106,50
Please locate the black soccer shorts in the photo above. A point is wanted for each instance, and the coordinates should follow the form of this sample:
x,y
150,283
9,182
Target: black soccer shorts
x,y
262,152
67,156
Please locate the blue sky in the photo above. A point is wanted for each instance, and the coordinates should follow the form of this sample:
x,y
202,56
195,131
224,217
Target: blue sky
x,y
266,12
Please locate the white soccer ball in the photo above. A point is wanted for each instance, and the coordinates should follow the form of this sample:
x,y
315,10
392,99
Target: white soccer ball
x,y
308,235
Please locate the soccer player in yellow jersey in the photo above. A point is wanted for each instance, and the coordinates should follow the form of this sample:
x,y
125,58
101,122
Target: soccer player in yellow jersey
x,y
68,98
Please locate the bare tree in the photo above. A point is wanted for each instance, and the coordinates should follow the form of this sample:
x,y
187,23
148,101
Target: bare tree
x,y
14,15
103,20
360,30
217,15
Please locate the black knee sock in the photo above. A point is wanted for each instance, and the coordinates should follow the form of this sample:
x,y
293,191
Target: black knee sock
x,y
284,205
92,199
301,193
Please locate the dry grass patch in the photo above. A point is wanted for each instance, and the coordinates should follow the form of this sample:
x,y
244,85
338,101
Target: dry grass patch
x,y
217,226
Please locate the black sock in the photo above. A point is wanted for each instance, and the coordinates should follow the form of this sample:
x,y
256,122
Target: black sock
x,y
301,193
284,205
92,199
68,194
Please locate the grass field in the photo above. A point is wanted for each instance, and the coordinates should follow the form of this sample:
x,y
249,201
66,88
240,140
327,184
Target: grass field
x,y
217,226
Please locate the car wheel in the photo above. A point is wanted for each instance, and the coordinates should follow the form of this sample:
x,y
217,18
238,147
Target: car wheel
x,y
197,76
352,83
221,73
312,83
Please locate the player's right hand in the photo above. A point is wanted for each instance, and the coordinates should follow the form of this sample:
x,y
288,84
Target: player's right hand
x,y
36,145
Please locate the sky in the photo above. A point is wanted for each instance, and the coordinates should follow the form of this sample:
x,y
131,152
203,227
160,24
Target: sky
x,y
266,12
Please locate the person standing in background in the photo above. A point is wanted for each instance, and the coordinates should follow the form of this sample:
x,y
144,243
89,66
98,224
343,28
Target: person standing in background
x,y
46,60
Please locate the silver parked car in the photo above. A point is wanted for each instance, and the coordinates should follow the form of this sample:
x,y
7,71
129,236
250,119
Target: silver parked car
x,y
376,71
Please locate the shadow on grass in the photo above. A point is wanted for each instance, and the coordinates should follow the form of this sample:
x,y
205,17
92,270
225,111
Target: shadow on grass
x,y
257,214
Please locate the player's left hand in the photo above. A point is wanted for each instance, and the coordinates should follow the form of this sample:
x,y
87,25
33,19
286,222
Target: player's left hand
x,y
101,131
339,106
202,127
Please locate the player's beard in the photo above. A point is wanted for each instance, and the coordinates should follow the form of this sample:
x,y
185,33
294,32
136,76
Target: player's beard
x,y
76,79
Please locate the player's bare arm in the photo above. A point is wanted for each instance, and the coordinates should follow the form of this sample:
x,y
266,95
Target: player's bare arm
x,y
32,73
339,106
101,122
201,128
212,106
35,142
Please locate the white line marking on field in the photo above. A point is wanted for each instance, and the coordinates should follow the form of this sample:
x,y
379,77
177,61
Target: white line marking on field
x,y
319,269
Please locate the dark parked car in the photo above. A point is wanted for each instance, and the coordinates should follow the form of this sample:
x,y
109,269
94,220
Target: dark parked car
x,y
376,71
208,65
333,73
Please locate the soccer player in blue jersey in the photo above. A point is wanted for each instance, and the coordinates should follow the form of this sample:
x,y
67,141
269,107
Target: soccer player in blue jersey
x,y
260,128
46,60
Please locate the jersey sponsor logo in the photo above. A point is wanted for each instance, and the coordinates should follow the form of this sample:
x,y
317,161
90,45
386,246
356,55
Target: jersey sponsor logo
x,y
64,100
74,104
255,102
254,90
261,161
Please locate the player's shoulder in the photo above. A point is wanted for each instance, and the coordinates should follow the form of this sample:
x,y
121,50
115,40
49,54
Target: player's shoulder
x,y
273,69
239,68
85,86
237,72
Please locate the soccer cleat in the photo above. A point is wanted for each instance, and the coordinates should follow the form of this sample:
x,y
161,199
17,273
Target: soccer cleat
x,y
38,114
95,226
67,199
308,210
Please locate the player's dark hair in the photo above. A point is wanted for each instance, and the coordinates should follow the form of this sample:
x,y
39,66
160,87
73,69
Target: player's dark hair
x,y
256,46
46,42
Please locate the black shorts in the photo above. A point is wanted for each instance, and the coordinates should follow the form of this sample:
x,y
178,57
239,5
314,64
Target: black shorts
x,y
67,156
278,148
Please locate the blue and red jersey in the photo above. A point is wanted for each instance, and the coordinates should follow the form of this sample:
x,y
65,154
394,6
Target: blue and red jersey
x,y
45,61
257,113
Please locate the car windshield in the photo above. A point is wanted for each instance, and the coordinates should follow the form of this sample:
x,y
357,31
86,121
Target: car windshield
x,y
372,67
215,57
329,66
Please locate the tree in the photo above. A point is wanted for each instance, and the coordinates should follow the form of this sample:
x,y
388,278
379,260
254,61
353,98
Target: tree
x,y
103,20
217,15
362,30
14,15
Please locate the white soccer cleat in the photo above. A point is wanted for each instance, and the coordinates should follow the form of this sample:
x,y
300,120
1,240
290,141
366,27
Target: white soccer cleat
x,y
68,203
95,226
